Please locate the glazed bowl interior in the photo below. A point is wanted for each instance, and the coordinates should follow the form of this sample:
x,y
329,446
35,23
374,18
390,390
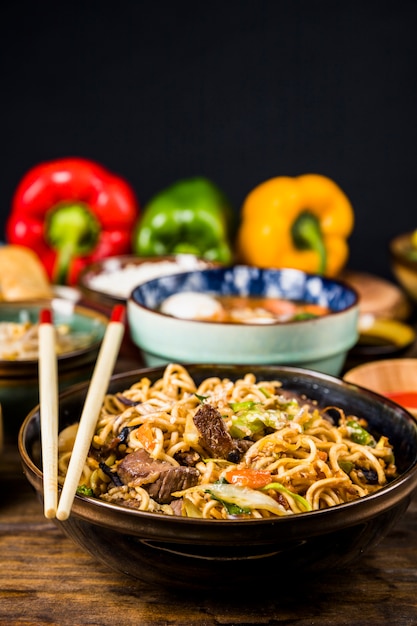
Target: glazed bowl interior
x,y
192,553
319,343
388,376
19,376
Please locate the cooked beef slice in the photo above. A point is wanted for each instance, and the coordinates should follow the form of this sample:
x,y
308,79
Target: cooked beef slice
x,y
188,457
214,436
159,478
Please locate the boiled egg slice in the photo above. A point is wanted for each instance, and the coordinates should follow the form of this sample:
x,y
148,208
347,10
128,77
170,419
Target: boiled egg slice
x,y
192,305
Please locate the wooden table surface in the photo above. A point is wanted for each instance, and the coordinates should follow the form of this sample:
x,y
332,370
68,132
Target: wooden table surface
x,y
46,579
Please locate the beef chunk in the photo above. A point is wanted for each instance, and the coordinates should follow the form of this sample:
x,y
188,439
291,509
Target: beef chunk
x,y
159,478
243,445
188,457
176,506
113,445
214,436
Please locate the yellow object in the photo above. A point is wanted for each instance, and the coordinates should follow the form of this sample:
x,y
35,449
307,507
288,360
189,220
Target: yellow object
x,y
388,330
301,222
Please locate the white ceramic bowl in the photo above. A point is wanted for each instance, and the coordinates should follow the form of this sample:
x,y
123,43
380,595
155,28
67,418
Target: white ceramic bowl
x,y
319,343
110,281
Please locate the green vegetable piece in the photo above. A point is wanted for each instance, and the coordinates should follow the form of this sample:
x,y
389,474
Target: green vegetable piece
x,y
304,504
254,420
231,508
346,466
359,435
245,498
303,316
83,490
265,392
243,406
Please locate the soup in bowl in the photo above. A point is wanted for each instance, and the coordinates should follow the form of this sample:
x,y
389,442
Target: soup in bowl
x,y
245,314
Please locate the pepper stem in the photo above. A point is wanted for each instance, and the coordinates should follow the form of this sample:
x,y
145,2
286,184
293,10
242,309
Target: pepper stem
x,y
71,230
307,235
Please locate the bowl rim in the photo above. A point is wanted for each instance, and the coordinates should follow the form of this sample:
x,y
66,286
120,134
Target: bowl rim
x,y
396,248
363,367
133,302
392,362
390,327
64,358
140,522
99,267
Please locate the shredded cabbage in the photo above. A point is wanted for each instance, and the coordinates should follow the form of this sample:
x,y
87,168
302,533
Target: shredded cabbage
x,y
244,497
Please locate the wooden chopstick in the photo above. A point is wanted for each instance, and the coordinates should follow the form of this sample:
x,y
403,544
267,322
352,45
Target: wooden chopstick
x,y
95,395
48,404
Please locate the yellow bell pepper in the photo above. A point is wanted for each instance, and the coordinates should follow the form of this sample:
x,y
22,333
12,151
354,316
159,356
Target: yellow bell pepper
x,y
301,222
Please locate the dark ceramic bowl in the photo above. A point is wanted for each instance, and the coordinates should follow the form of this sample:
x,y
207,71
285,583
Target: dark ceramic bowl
x,y
201,554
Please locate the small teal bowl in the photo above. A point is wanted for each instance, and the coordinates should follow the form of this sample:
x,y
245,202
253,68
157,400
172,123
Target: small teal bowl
x,y
19,382
320,343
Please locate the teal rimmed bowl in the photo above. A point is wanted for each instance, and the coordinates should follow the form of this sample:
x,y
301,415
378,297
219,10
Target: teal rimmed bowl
x,y
19,378
319,343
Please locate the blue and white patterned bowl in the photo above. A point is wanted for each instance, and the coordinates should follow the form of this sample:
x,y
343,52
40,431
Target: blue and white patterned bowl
x,y
319,343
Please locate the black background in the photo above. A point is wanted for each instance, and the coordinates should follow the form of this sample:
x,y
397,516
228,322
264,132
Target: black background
x,y
238,91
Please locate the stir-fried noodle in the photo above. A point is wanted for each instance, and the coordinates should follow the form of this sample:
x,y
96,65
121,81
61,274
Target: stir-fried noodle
x,y
19,340
241,449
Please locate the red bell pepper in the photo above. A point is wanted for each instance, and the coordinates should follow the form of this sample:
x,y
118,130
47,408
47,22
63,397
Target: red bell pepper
x,y
72,212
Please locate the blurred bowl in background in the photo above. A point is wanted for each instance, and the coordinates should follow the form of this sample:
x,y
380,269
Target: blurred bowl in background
x,y
82,332
382,338
66,292
111,280
378,297
319,343
403,256
383,309
1,430
393,378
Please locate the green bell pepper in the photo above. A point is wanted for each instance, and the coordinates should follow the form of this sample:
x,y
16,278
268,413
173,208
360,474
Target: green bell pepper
x,y
191,216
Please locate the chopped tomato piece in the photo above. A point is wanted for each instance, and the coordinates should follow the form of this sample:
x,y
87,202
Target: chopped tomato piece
x,y
278,306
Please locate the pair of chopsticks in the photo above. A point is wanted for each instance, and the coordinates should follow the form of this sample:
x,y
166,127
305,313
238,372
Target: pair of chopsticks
x,y
48,403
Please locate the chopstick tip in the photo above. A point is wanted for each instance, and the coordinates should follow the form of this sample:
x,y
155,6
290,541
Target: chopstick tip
x,y
118,313
62,515
45,316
